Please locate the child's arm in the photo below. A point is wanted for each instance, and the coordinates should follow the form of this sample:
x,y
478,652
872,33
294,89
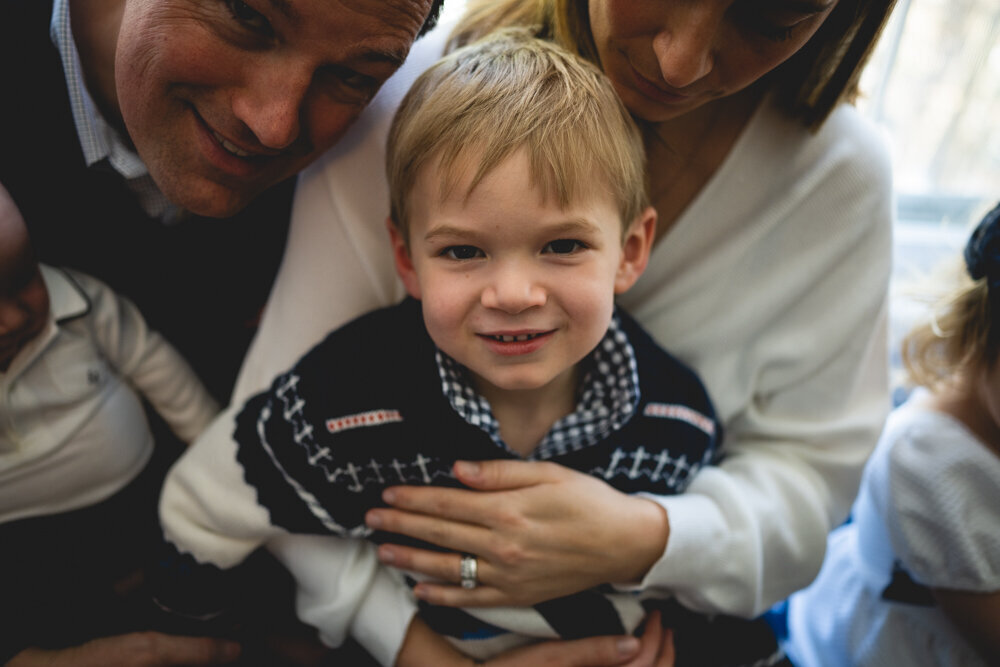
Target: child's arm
x,y
977,617
148,361
207,509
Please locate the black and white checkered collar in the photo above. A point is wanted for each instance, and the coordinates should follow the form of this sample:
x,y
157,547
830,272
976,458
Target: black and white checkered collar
x,y
608,396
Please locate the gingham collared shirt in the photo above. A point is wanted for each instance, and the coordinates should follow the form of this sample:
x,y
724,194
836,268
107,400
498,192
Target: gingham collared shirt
x,y
607,397
99,141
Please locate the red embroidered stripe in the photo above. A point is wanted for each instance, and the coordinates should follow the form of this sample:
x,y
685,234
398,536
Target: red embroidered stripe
x,y
681,413
371,418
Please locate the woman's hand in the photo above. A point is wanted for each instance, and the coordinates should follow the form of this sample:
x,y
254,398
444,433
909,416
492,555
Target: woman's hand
x,y
654,649
539,531
137,649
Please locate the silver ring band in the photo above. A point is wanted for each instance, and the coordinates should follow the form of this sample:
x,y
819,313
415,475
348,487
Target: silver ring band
x,y
469,571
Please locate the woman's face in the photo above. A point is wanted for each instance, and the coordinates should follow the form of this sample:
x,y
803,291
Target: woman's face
x,y
667,57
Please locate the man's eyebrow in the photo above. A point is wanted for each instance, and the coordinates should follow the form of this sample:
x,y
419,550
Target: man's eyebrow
x,y
390,56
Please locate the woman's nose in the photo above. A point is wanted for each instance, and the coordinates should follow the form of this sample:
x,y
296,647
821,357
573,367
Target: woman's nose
x,y
684,47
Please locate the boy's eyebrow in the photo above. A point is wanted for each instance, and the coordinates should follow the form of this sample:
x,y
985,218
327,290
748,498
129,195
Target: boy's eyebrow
x,y
447,230
569,226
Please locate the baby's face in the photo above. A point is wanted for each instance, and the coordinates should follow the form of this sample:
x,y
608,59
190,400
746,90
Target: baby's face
x,y
513,286
24,299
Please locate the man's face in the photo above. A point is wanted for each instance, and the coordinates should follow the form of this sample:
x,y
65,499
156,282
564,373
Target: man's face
x,y
224,98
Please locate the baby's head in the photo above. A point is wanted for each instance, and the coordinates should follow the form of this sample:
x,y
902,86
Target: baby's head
x,y
24,300
519,206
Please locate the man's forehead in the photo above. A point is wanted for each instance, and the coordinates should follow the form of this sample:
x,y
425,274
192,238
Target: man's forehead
x,y
379,29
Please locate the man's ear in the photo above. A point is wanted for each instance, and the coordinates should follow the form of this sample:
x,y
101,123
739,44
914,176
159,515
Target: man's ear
x,y
404,263
636,247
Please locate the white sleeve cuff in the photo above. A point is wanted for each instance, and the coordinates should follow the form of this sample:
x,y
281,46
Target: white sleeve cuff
x,y
384,616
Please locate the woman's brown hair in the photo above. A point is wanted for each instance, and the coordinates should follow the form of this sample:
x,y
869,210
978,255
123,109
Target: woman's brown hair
x,y
809,85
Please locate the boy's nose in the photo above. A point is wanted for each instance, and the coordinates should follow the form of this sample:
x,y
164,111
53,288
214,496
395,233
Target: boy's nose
x,y
513,291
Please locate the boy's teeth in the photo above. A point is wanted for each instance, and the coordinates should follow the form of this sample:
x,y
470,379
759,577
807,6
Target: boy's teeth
x,y
513,339
230,146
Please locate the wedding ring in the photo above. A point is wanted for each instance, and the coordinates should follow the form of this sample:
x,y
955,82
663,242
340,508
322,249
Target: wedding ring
x,y
469,571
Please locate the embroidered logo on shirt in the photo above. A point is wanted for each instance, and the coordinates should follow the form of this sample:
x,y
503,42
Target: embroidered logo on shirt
x,y
370,418
681,413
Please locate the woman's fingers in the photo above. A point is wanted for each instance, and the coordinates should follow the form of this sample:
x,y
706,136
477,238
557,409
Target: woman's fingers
x,y
452,504
656,645
445,533
590,652
504,474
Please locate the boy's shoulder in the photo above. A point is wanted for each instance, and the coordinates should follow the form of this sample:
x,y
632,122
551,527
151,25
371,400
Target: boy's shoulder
x,y
662,376
383,355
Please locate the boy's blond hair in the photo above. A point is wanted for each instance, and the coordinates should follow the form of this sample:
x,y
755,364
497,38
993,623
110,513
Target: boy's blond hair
x,y
512,91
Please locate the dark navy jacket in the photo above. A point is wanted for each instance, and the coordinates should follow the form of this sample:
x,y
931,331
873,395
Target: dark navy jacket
x,y
364,410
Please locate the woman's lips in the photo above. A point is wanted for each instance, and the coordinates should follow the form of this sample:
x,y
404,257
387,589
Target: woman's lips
x,y
655,92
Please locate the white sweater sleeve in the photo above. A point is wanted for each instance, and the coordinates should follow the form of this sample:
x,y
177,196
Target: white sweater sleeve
x,y
774,288
209,511
149,363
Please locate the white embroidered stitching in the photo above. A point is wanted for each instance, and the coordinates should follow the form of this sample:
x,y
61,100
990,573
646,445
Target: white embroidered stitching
x,y
668,468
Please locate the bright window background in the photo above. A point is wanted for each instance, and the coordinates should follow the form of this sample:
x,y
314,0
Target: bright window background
x,y
934,86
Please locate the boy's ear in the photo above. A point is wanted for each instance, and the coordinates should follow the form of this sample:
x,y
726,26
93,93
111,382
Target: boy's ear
x,y
636,247
404,263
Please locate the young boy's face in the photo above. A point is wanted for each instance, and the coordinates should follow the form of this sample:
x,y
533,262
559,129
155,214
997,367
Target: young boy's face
x,y
514,287
24,300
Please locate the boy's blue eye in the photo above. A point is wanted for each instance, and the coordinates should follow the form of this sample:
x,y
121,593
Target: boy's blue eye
x,y
564,246
461,252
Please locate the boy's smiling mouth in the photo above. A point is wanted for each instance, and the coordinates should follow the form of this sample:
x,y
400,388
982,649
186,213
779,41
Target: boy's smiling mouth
x,y
514,338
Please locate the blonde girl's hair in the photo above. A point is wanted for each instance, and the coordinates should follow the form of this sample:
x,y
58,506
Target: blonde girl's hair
x,y
508,92
809,85
957,333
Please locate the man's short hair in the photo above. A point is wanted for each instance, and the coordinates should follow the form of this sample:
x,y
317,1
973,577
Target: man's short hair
x,y
512,91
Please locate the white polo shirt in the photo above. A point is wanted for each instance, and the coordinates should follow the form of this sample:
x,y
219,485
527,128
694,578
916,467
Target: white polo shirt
x,y
72,426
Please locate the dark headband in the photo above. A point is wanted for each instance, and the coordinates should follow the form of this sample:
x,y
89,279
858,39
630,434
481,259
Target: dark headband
x,y
982,252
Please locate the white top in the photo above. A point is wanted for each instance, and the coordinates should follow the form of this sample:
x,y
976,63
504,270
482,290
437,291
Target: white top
x,y
72,427
929,501
772,285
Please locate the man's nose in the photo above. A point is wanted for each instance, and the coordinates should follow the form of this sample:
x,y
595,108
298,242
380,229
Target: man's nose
x,y
271,102
684,47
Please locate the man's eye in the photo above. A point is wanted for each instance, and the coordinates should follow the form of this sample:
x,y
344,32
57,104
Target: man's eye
x,y
249,17
345,83
564,246
462,252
